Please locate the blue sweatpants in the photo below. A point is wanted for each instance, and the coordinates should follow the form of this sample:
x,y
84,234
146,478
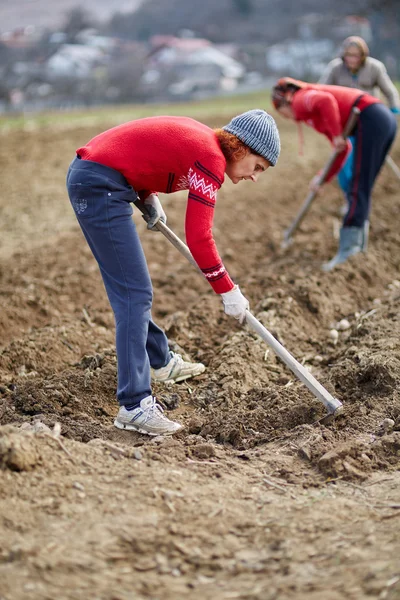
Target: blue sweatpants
x,y
375,132
101,198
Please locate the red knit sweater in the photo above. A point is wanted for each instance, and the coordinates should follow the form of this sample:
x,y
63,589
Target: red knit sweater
x,y
327,108
167,154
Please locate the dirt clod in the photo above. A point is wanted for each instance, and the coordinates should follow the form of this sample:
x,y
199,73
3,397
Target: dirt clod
x,y
18,450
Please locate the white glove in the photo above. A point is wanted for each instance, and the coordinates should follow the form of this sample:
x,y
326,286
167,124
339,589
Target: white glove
x,y
154,210
235,304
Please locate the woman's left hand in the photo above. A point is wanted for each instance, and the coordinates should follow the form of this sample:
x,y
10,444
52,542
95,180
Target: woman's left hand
x,y
155,211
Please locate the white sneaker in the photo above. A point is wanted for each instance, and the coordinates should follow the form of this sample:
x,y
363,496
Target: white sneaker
x,y
148,418
177,370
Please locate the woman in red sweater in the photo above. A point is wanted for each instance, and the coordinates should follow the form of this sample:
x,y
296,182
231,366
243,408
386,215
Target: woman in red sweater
x,y
139,159
327,108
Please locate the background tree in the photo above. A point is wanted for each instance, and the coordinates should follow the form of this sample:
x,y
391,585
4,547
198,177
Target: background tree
x,y
77,19
244,7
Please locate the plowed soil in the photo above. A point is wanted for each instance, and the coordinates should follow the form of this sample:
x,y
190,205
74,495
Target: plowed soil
x,y
256,498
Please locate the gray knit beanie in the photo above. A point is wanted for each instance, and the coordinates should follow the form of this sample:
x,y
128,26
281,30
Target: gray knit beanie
x,y
258,130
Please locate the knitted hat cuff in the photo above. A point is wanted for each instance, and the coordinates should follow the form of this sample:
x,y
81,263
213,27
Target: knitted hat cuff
x,y
254,143
257,129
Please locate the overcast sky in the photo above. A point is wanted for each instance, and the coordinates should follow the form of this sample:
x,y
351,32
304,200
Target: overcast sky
x,y
50,13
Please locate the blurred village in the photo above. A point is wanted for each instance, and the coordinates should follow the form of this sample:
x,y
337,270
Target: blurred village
x,y
81,65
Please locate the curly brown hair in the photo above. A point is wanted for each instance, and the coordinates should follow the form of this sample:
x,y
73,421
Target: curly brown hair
x,y
232,148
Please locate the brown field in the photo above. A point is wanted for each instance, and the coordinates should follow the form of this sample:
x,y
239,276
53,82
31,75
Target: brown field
x,y
255,499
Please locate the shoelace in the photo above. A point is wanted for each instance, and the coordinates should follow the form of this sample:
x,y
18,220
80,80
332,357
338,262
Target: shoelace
x,y
178,361
153,408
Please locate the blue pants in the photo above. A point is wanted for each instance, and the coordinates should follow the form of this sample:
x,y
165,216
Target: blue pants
x,y
101,199
375,132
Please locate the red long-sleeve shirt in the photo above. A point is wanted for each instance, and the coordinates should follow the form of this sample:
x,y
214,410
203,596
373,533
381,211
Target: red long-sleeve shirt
x,y
167,154
327,108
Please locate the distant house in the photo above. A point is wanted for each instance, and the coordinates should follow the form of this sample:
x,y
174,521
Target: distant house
x,y
22,37
353,25
300,58
74,60
91,37
318,40
189,66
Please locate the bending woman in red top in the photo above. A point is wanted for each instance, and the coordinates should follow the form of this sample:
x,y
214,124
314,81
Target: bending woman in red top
x,y
326,108
141,158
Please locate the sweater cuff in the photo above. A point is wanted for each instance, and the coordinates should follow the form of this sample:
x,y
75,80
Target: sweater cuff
x,y
143,194
225,284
